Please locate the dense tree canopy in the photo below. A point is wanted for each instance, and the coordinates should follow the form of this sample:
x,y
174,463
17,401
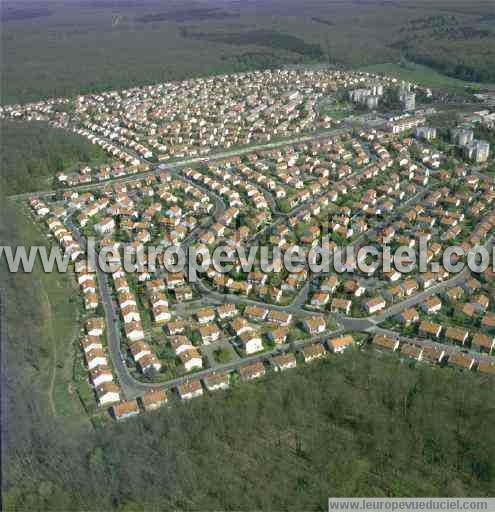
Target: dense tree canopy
x,y
357,424
32,153
82,47
348,427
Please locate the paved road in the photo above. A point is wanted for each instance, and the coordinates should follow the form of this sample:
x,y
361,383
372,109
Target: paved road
x,y
127,382
416,299
422,296
457,280
356,324
186,163
302,295
234,365
220,297
132,387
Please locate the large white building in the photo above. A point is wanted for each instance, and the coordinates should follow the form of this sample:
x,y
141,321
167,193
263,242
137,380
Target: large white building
x,y
478,151
462,136
426,133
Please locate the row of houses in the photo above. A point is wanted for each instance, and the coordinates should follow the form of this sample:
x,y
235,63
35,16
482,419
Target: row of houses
x,y
100,373
141,352
175,211
479,303
86,277
220,380
113,170
169,118
107,391
150,401
434,354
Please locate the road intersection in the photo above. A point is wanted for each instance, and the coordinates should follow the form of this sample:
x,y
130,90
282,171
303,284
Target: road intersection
x,y
132,387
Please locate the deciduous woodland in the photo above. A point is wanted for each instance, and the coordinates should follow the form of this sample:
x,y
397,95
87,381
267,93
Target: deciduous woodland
x,y
372,421
120,44
356,424
33,152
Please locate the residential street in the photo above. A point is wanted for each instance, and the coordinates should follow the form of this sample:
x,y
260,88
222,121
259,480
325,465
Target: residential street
x,y
131,387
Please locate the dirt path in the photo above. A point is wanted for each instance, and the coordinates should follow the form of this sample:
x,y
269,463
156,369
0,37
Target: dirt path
x,y
47,314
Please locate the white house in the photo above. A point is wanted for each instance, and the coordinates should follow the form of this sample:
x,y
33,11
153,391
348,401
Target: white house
x,y
100,375
108,393
96,358
106,225
149,362
134,331
216,381
191,359
338,345
374,305
139,350
161,314
191,389
284,362
209,333
180,344
251,342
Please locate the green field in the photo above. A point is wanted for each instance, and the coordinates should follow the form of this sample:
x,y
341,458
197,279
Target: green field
x,y
60,308
424,76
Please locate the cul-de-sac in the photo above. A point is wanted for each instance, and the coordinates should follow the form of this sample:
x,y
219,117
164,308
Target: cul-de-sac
x,y
276,158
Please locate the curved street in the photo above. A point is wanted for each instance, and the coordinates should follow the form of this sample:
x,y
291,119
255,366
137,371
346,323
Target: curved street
x,y
133,387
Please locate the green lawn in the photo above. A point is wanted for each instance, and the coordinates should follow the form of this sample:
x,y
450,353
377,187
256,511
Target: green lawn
x,y
422,75
336,114
224,355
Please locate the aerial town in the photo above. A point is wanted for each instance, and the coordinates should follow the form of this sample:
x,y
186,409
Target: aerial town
x,y
281,158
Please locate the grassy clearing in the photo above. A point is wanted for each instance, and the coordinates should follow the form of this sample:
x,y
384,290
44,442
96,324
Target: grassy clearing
x,y
59,329
335,113
422,75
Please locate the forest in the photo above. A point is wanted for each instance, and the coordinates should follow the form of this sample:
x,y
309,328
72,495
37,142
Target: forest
x,y
360,424
452,46
32,153
61,49
263,38
356,425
